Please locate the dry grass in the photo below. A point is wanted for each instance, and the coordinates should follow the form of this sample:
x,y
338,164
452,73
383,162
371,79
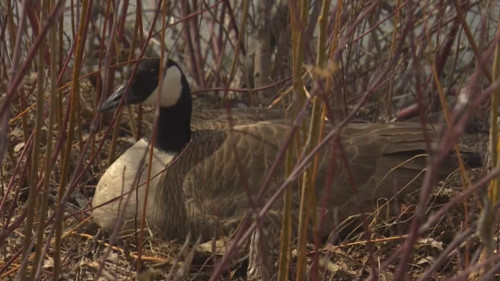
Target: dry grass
x,y
369,61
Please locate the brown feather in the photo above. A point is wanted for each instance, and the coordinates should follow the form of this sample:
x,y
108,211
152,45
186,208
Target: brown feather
x,y
220,167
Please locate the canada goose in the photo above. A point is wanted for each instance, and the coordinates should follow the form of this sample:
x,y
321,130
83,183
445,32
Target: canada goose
x,y
206,187
175,133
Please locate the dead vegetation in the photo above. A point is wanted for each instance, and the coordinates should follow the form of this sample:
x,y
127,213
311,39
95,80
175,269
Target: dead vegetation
x,y
378,61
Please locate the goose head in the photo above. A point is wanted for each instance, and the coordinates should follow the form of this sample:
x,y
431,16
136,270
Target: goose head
x,y
170,93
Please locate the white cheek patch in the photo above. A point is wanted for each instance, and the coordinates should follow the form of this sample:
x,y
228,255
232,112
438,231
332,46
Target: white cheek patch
x,y
171,89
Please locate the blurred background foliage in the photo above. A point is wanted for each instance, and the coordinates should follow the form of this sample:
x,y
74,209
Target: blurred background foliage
x,y
375,61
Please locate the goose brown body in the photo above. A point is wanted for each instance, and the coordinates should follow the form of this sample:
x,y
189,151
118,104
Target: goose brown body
x,y
216,195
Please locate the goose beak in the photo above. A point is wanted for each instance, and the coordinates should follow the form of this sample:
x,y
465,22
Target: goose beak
x,y
114,100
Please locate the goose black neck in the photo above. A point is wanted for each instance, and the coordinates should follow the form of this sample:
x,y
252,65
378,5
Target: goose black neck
x,y
174,125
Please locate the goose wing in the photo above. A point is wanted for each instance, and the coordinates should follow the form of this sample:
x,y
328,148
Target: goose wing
x,y
383,160
231,171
